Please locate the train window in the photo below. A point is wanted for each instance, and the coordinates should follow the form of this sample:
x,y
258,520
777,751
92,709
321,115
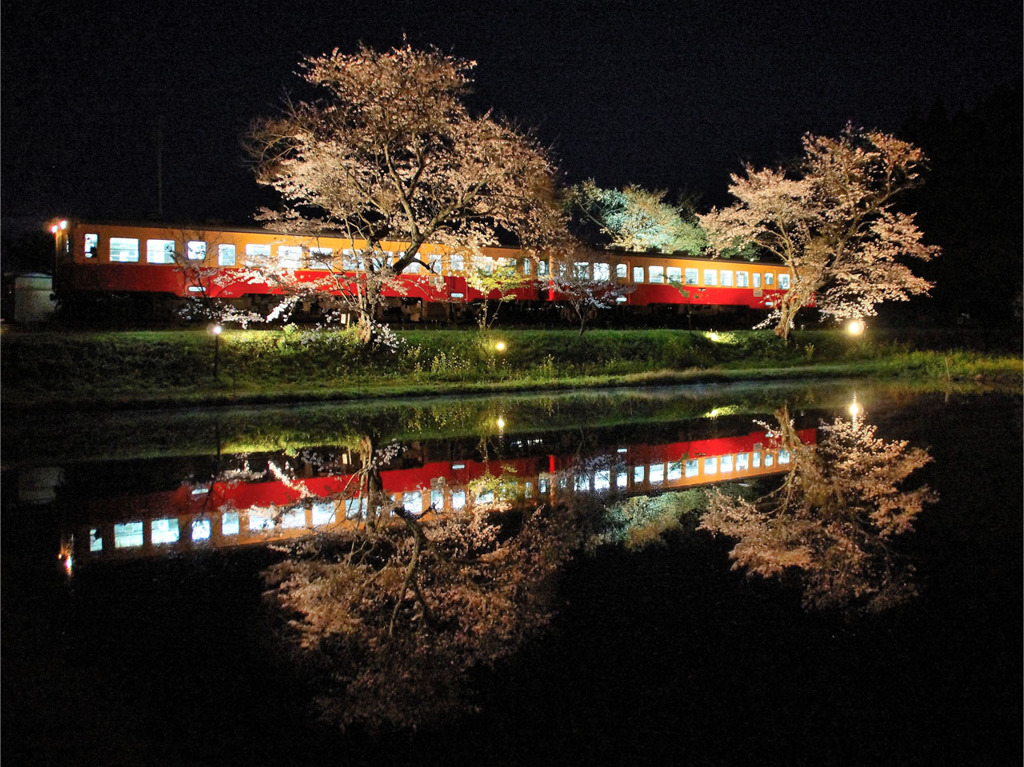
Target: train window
x,y
412,268
294,518
124,249
542,485
321,258
726,463
542,268
691,277
435,263
692,468
656,274
128,535
638,274
261,519
458,499
196,250
603,479
783,456
582,270
159,251
710,277
621,272
95,541
674,275
229,523
349,260
726,278
323,513
742,279
638,474
675,470
769,279
256,251
437,499
200,529
164,530
92,245
354,508
784,281
657,473
225,255
757,460
602,271
458,263
484,265
526,267
769,460
757,279
289,256
742,462
711,465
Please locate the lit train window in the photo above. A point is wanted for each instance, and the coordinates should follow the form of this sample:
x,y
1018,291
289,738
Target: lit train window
x,y
582,483
726,463
726,278
159,251
412,268
320,258
526,267
323,513
674,274
582,270
458,263
435,263
711,465
710,277
458,499
528,490
675,470
621,480
261,519
289,256
354,508
656,274
742,279
412,502
757,460
164,530
769,460
692,468
294,518
542,485
124,249
769,279
257,251
349,261
742,462
485,497
92,245
757,279
226,255
621,272
484,265
542,268
200,529
229,523
657,475
95,541
784,281
437,499
196,250
638,473
602,271
603,479
128,535
783,456
638,274
691,276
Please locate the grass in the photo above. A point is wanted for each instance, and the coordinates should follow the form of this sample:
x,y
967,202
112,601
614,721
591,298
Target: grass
x,y
173,368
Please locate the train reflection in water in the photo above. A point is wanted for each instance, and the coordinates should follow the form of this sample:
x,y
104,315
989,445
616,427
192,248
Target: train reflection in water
x,y
262,499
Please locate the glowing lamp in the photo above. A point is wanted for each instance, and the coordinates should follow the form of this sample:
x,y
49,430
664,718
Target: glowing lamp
x,y
500,346
855,408
54,229
63,224
501,422
216,330
855,327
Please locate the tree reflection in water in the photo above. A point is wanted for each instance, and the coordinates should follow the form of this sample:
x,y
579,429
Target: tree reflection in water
x,y
833,519
396,612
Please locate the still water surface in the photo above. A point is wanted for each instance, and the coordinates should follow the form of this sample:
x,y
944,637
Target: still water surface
x,y
728,575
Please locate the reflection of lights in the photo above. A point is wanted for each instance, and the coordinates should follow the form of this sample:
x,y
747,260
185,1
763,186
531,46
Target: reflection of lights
x,y
500,346
501,422
855,409
855,327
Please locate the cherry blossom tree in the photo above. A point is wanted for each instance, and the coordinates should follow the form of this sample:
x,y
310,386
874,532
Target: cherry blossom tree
x,y
833,519
834,223
389,154
581,285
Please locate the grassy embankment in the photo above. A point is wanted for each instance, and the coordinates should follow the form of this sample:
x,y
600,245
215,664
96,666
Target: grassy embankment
x,y
155,368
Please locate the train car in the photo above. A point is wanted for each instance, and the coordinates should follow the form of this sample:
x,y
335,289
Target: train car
x,y
164,264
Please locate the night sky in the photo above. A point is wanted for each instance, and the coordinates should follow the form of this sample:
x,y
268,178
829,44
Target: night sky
x,y
666,95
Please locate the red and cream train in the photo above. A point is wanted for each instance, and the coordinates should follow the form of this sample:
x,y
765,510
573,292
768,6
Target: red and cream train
x,y
146,261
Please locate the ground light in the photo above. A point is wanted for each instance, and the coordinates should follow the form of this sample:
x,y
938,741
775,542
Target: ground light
x,y
215,331
500,346
855,327
500,422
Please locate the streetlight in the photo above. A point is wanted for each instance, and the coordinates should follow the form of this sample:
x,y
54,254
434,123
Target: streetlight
x,y
215,331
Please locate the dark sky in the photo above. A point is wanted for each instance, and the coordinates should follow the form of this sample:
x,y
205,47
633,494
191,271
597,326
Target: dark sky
x,y
666,95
